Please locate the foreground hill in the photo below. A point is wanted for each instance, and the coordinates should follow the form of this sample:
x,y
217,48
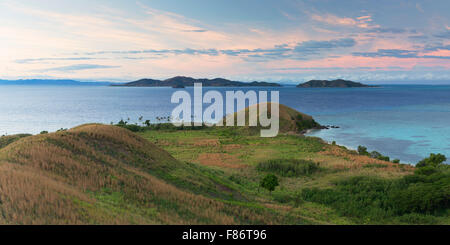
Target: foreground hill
x,y
339,83
180,82
96,174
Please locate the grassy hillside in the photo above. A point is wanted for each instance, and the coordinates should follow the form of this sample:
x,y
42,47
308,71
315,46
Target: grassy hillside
x,y
290,120
321,183
98,174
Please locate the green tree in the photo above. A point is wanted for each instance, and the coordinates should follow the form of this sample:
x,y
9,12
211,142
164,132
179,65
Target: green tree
x,y
434,160
269,182
362,150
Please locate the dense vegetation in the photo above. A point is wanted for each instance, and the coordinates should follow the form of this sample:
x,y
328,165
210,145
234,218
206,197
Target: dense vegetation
x,y
288,167
414,198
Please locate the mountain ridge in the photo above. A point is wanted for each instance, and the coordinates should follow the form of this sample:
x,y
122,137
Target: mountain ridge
x,y
61,82
337,83
183,81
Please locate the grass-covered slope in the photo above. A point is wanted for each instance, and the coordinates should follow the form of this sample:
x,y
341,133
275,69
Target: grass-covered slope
x,y
8,139
290,120
96,174
318,182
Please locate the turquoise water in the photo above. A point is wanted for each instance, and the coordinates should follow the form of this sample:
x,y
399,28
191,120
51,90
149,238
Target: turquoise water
x,y
406,122
402,122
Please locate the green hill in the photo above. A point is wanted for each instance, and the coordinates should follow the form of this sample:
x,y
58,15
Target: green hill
x,y
291,120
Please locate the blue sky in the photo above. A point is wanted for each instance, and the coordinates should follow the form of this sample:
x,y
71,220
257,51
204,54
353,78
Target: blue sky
x,y
285,41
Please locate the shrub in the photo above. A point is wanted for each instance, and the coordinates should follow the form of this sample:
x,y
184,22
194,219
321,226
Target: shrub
x,y
362,150
269,182
132,127
375,165
282,197
289,167
396,161
376,199
433,160
426,170
418,219
305,124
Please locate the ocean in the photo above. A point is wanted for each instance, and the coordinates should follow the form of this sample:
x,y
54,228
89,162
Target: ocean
x,y
401,121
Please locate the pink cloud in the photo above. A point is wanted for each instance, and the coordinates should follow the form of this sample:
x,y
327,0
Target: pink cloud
x,y
348,61
361,22
334,20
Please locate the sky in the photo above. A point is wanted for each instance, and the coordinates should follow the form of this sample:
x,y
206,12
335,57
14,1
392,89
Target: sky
x,y
288,41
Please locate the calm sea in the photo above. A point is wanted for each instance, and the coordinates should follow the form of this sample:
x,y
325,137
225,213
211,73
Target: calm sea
x,y
406,122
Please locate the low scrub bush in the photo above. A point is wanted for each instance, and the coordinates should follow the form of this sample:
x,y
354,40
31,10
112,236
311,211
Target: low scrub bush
x,y
375,165
289,167
362,150
414,197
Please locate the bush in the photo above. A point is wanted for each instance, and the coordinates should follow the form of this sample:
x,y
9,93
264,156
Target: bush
x,y
376,199
379,156
269,182
289,167
132,127
305,124
362,150
411,199
282,197
375,165
433,160
427,170
418,219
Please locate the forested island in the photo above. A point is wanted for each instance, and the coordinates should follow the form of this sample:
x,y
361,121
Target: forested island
x,y
338,83
181,82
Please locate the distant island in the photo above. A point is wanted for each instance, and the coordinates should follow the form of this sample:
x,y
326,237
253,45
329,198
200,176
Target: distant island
x,y
338,83
181,82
